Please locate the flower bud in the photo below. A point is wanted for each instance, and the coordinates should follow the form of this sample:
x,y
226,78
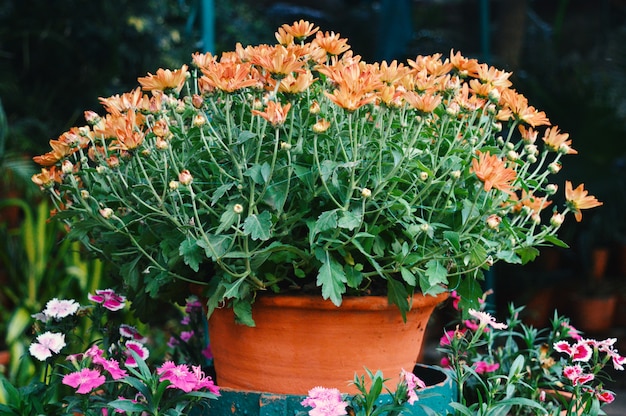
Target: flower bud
x,y
84,194
314,108
100,169
551,188
423,175
113,162
531,149
424,227
92,117
237,209
366,193
321,126
185,177
494,95
173,185
456,174
199,120
161,144
557,219
106,213
285,146
497,126
493,221
564,149
512,155
554,167
197,101
67,167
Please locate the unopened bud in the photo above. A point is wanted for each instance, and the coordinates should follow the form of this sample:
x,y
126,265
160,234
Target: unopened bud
x,y
493,221
237,208
67,167
185,177
557,219
106,213
366,193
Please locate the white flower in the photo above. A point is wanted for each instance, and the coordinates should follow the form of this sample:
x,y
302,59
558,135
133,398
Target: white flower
x,y
484,319
47,344
60,308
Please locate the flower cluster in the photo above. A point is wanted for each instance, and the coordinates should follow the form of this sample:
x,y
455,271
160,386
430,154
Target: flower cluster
x,y
500,366
301,166
330,402
111,374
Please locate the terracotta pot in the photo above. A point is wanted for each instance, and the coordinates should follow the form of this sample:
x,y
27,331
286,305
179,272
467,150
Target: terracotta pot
x,y
595,314
300,342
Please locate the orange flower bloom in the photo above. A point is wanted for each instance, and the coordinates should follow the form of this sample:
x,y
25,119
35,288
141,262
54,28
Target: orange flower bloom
x,y
534,203
274,113
331,43
47,177
129,136
464,66
555,141
67,144
493,76
293,85
432,64
228,76
516,105
493,172
118,104
300,30
578,199
277,60
391,73
423,102
165,79
350,100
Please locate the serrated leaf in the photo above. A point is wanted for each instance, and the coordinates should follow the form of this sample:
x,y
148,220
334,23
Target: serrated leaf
x,y
350,219
452,237
326,221
220,191
555,241
258,227
330,277
228,218
191,253
244,136
436,273
215,246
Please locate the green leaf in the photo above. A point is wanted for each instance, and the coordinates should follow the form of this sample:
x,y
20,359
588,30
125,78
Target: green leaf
x,y
330,277
452,237
128,406
228,218
254,172
527,254
408,276
509,256
258,226
350,219
557,242
326,221
220,191
244,136
192,255
436,273
398,295
215,246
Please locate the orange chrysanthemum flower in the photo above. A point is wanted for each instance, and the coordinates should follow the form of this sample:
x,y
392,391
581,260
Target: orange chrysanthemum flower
x,y
228,76
516,106
464,66
129,135
165,79
350,100
278,60
577,199
67,144
492,171
425,103
390,74
47,177
535,204
332,43
275,113
558,142
432,64
294,84
300,30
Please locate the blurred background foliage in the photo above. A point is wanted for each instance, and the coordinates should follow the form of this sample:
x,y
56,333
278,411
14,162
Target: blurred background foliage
x,y
57,58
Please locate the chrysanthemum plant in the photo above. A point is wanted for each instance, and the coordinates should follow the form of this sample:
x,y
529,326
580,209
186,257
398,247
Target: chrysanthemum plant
x,y
299,166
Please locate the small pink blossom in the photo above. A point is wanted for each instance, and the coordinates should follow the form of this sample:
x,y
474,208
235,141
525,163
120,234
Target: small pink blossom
x,y
581,351
84,380
47,344
186,335
606,397
572,332
207,352
203,381
325,402
575,374
109,299
111,366
482,367
413,382
61,308
484,319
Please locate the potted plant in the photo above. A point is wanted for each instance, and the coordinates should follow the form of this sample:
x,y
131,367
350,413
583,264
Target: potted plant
x,y
299,169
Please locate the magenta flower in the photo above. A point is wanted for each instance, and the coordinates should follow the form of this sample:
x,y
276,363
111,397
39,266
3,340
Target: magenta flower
x,y
203,381
482,367
186,335
581,351
178,375
60,308
575,374
108,298
139,349
84,380
325,402
207,352
47,344
111,366
606,397
128,331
